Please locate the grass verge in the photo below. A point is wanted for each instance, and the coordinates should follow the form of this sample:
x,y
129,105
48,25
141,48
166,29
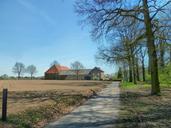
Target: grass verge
x,y
141,110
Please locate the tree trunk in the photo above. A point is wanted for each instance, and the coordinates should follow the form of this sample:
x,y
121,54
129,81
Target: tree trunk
x,y
143,70
149,64
130,71
18,76
155,89
133,67
162,52
137,70
134,71
170,54
125,73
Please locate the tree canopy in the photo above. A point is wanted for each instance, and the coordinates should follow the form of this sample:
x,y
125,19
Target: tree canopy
x,y
129,24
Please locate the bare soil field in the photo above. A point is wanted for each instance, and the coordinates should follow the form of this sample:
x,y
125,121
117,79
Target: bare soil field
x,y
24,94
44,85
31,103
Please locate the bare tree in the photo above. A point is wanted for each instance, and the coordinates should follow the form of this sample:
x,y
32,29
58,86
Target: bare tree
x,y
55,62
123,50
77,66
105,15
19,69
31,69
142,54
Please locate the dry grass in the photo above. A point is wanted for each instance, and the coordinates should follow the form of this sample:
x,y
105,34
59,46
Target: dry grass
x,y
141,110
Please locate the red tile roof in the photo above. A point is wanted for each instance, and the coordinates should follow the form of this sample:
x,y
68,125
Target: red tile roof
x,y
56,69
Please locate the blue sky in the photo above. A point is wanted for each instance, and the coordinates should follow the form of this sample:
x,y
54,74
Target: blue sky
x,y
40,31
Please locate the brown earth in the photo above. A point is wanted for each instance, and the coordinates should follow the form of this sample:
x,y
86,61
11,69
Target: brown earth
x,y
44,85
26,94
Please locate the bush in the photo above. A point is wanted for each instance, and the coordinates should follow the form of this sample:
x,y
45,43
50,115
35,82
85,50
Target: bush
x,y
165,75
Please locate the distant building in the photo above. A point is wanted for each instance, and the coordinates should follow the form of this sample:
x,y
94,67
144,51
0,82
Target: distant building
x,y
57,72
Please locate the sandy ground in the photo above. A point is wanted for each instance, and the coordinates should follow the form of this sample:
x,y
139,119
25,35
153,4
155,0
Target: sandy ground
x,y
25,94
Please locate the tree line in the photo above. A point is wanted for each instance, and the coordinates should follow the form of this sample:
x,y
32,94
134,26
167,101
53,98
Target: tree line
x,y
19,69
135,31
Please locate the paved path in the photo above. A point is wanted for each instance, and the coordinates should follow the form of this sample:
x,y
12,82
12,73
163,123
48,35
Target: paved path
x,y
98,112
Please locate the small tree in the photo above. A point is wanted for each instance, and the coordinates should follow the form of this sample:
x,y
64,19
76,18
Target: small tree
x,y
4,77
120,73
19,69
31,69
77,66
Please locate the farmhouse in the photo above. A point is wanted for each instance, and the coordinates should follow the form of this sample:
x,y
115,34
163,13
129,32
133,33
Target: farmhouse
x,y
58,72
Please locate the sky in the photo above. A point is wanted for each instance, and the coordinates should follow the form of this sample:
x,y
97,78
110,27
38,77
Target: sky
x,y
40,31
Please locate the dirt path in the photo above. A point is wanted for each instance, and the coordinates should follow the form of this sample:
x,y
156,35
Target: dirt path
x,y
98,112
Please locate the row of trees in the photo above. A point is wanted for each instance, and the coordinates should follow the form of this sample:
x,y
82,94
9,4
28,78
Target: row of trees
x,y
19,69
137,32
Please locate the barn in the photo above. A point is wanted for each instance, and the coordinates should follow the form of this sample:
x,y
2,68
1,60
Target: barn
x,y
58,72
